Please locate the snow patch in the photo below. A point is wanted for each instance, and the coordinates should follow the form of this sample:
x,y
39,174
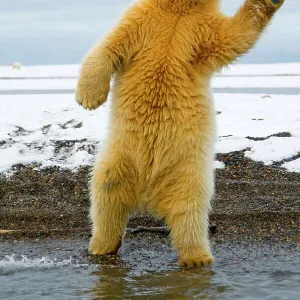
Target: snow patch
x,y
256,82
274,149
262,69
63,71
219,165
52,130
51,71
49,130
292,166
38,84
217,82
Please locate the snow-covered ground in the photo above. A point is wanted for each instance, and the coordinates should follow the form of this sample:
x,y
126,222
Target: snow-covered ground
x,y
52,130
63,71
51,71
217,82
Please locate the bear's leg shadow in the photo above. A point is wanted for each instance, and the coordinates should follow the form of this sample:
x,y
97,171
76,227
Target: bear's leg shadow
x,y
113,197
185,204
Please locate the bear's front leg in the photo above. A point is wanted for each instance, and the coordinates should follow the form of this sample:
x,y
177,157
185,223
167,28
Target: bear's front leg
x,y
94,81
100,64
237,35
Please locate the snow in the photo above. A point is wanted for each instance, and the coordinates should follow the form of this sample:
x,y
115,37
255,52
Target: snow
x,y
293,166
217,82
33,126
256,82
263,69
60,71
51,71
274,149
52,130
38,84
232,143
219,165
244,115
32,129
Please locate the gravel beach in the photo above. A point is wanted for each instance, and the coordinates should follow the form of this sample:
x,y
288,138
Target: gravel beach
x,y
252,203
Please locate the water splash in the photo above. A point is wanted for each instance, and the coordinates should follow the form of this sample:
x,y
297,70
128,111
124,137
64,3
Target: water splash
x,y
11,264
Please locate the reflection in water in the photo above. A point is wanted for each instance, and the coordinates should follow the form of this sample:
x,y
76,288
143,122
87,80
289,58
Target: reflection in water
x,y
241,272
119,283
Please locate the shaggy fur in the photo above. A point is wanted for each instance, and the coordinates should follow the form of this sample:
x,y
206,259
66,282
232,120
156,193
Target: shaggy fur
x,y
160,151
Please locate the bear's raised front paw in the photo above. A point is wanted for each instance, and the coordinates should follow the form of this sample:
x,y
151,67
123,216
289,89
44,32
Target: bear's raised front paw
x,y
276,3
91,100
190,262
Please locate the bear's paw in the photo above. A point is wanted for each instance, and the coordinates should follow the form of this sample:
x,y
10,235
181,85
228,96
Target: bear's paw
x,y
190,262
104,248
90,99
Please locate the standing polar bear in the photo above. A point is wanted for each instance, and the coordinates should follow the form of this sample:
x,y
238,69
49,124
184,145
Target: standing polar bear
x,y
160,150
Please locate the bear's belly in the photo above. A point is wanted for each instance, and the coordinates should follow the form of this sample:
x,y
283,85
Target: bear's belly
x,y
163,138
161,126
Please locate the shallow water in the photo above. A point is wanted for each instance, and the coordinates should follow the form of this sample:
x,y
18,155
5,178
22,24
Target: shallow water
x,y
242,271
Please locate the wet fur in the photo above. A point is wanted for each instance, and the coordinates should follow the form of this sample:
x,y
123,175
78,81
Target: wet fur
x,y
159,155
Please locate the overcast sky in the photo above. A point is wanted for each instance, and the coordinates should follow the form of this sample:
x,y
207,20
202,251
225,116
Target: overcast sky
x,y
61,31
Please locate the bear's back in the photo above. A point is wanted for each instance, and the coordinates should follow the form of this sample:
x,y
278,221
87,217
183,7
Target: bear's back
x,y
169,47
170,39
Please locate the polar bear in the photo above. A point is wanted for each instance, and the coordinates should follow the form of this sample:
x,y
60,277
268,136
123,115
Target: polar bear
x,y
160,150
16,66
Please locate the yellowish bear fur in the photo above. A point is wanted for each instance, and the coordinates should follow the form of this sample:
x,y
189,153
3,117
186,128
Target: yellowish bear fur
x,y
160,151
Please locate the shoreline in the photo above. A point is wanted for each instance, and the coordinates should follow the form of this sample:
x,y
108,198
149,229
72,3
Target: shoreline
x,y
252,203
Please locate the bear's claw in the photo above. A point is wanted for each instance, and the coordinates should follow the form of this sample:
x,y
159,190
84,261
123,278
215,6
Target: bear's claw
x,y
91,98
196,262
276,3
97,248
88,104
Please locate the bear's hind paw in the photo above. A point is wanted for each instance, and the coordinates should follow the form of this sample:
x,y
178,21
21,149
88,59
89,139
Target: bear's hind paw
x,y
190,262
104,248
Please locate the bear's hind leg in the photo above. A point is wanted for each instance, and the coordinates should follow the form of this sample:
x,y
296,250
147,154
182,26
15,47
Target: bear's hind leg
x,y
185,204
113,198
189,236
